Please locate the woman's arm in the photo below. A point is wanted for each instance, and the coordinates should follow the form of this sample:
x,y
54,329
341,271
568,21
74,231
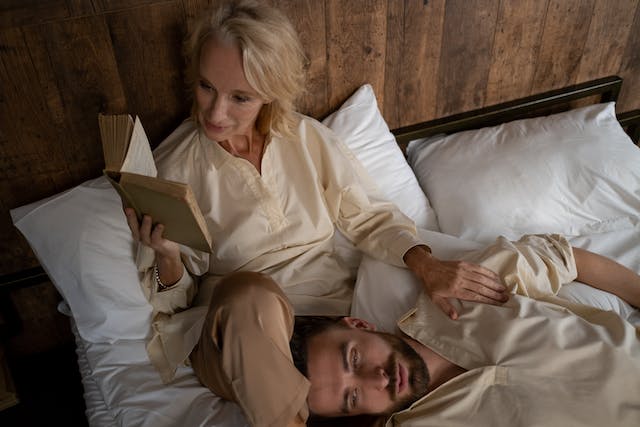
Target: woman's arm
x,y
456,279
606,274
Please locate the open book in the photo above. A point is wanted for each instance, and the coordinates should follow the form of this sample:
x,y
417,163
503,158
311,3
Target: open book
x,y
130,168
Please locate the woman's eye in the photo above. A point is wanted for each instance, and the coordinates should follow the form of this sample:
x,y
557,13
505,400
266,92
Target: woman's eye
x,y
241,99
354,398
355,360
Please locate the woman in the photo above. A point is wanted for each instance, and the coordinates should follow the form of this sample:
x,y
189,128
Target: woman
x,y
273,185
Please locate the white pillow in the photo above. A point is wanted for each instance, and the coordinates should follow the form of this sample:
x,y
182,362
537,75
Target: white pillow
x,y
572,173
82,240
363,129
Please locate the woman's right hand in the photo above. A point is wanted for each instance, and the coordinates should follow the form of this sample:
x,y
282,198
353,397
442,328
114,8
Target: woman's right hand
x,y
151,235
168,259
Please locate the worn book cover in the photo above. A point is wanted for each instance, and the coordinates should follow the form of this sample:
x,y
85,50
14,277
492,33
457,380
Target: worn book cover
x,y
130,168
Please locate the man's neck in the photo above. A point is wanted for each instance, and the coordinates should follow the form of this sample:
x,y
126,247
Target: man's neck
x,y
440,369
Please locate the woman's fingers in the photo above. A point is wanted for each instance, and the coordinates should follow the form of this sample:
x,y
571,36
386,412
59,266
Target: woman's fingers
x,y
445,306
145,230
132,221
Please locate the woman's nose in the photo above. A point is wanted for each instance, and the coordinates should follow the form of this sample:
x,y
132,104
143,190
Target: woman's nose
x,y
217,109
377,379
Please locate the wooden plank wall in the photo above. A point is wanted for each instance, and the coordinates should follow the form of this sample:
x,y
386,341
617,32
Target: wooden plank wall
x,y
63,61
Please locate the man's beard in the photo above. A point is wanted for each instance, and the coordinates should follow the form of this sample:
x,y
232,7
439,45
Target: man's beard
x,y
418,380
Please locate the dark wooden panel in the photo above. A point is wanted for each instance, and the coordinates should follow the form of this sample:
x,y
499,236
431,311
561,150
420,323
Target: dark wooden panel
x,y
414,41
30,155
608,33
79,66
563,42
467,42
31,164
14,13
113,5
515,50
630,68
147,44
356,40
308,17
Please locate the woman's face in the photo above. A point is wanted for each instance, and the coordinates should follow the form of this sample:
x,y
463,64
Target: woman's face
x,y
227,106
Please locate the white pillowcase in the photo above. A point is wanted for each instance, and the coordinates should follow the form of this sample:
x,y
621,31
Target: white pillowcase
x,y
572,173
83,242
363,129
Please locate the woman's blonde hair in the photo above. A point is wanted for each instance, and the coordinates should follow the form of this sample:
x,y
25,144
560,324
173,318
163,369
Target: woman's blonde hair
x,y
273,59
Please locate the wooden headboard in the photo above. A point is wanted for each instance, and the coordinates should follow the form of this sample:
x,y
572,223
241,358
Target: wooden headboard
x,y
606,89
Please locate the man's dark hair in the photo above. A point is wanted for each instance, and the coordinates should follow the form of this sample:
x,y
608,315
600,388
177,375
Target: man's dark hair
x,y
305,328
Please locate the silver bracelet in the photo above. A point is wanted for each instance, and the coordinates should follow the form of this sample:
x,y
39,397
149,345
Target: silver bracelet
x,y
156,274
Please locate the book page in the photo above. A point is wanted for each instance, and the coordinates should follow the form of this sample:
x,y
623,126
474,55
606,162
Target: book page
x,y
139,157
115,132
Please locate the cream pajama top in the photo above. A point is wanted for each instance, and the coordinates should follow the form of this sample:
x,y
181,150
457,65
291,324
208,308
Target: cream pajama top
x,y
529,363
280,222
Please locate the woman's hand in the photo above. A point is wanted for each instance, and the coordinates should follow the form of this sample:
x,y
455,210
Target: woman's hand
x,y
455,279
170,266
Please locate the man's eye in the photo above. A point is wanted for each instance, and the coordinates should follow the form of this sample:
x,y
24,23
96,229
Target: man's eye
x,y
355,359
204,85
354,398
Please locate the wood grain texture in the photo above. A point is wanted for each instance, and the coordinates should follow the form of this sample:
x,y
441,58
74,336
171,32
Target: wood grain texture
x,y
467,43
630,68
564,39
356,41
414,42
515,49
606,41
15,13
150,65
308,17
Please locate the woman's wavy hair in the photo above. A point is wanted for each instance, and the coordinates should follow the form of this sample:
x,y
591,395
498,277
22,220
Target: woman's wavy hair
x,y
273,58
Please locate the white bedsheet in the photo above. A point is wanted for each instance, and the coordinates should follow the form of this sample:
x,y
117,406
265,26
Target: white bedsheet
x,y
121,388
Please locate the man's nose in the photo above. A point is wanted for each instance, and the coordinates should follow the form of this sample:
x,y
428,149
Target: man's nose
x,y
376,379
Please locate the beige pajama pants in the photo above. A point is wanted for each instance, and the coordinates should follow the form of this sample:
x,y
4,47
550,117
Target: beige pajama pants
x,y
243,354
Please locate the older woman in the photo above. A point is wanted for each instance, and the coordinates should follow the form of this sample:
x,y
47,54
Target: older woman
x,y
273,185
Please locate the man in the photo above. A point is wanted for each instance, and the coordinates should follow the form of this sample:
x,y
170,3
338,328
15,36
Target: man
x,y
524,363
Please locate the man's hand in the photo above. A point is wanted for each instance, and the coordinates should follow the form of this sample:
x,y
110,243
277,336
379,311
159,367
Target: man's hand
x,y
454,279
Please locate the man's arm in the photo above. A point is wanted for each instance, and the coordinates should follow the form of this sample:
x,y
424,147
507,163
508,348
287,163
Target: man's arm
x,y
606,274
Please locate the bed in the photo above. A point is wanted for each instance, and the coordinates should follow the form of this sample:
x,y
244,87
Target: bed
x,y
508,169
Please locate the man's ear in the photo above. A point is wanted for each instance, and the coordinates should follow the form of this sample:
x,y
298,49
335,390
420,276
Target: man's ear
x,y
354,322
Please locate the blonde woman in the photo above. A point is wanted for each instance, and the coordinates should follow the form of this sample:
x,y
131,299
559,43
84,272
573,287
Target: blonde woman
x,y
274,186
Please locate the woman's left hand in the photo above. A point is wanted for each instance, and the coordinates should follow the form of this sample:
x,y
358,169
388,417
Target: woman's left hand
x,y
455,279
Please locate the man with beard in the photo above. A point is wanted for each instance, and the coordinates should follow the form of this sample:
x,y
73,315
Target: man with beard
x,y
526,363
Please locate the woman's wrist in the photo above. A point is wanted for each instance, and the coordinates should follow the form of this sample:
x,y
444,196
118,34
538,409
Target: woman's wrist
x,y
415,257
167,271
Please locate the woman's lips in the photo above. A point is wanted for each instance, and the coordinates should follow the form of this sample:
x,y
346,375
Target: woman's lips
x,y
214,128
